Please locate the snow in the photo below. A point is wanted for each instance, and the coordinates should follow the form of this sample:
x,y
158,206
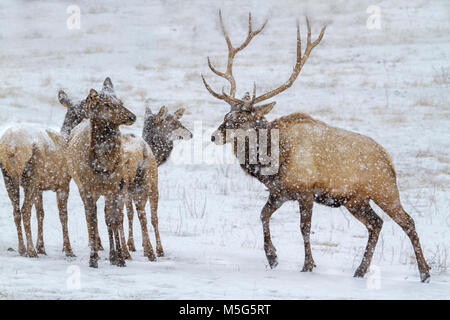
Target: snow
x,y
389,84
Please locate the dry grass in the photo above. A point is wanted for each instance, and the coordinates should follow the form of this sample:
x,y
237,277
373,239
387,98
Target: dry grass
x,y
46,81
430,102
102,28
141,67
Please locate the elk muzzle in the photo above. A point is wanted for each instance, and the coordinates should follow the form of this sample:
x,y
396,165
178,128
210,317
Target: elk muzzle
x,y
218,138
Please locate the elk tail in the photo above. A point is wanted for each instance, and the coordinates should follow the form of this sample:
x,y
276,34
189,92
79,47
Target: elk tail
x,y
389,160
15,152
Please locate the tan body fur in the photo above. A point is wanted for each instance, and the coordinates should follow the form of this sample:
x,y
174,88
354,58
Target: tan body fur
x,y
95,157
140,176
33,161
339,163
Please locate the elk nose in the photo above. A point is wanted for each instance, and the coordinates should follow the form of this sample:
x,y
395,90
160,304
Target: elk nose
x,y
213,138
132,118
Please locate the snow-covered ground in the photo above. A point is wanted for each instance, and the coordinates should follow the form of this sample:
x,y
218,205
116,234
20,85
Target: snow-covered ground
x,y
391,84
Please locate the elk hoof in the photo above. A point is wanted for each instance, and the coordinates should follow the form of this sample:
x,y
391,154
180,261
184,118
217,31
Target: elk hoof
x,y
40,249
69,253
126,255
308,266
93,263
273,261
131,246
160,252
151,257
360,272
22,251
121,262
425,277
31,253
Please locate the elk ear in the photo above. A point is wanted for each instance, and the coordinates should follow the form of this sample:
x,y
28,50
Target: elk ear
x,y
107,85
262,110
179,113
91,102
148,112
64,99
161,114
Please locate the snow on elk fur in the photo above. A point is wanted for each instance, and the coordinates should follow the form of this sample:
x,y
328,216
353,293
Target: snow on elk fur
x,y
95,159
140,177
317,163
159,132
31,160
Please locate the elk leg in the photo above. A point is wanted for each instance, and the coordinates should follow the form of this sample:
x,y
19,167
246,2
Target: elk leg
x,y
146,244
126,253
40,219
12,186
91,218
306,205
62,197
395,210
29,199
272,204
112,204
154,211
108,221
118,233
96,234
130,214
362,211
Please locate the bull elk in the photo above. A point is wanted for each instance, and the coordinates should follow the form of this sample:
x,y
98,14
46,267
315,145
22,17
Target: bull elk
x,y
31,160
95,158
317,162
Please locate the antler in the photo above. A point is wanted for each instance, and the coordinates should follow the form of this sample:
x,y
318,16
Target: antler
x,y
228,74
232,51
299,63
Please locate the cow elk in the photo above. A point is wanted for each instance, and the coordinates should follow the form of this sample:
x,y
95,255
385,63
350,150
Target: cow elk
x,y
317,162
95,158
160,130
33,161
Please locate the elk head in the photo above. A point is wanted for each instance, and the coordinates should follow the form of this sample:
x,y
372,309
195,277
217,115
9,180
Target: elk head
x,y
245,113
106,108
166,125
161,129
74,115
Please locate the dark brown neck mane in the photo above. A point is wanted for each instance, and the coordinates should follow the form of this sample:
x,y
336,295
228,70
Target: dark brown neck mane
x,y
158,139
74,115
105,147
254,169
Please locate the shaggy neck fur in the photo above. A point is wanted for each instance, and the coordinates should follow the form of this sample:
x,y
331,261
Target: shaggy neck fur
x,y
105,146
73,117
254,169
158,140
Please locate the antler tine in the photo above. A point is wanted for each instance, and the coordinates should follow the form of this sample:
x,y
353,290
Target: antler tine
x,y
224,31
301,60
310,45
213,69
254,91
211,91
250,34
232,99
228,74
